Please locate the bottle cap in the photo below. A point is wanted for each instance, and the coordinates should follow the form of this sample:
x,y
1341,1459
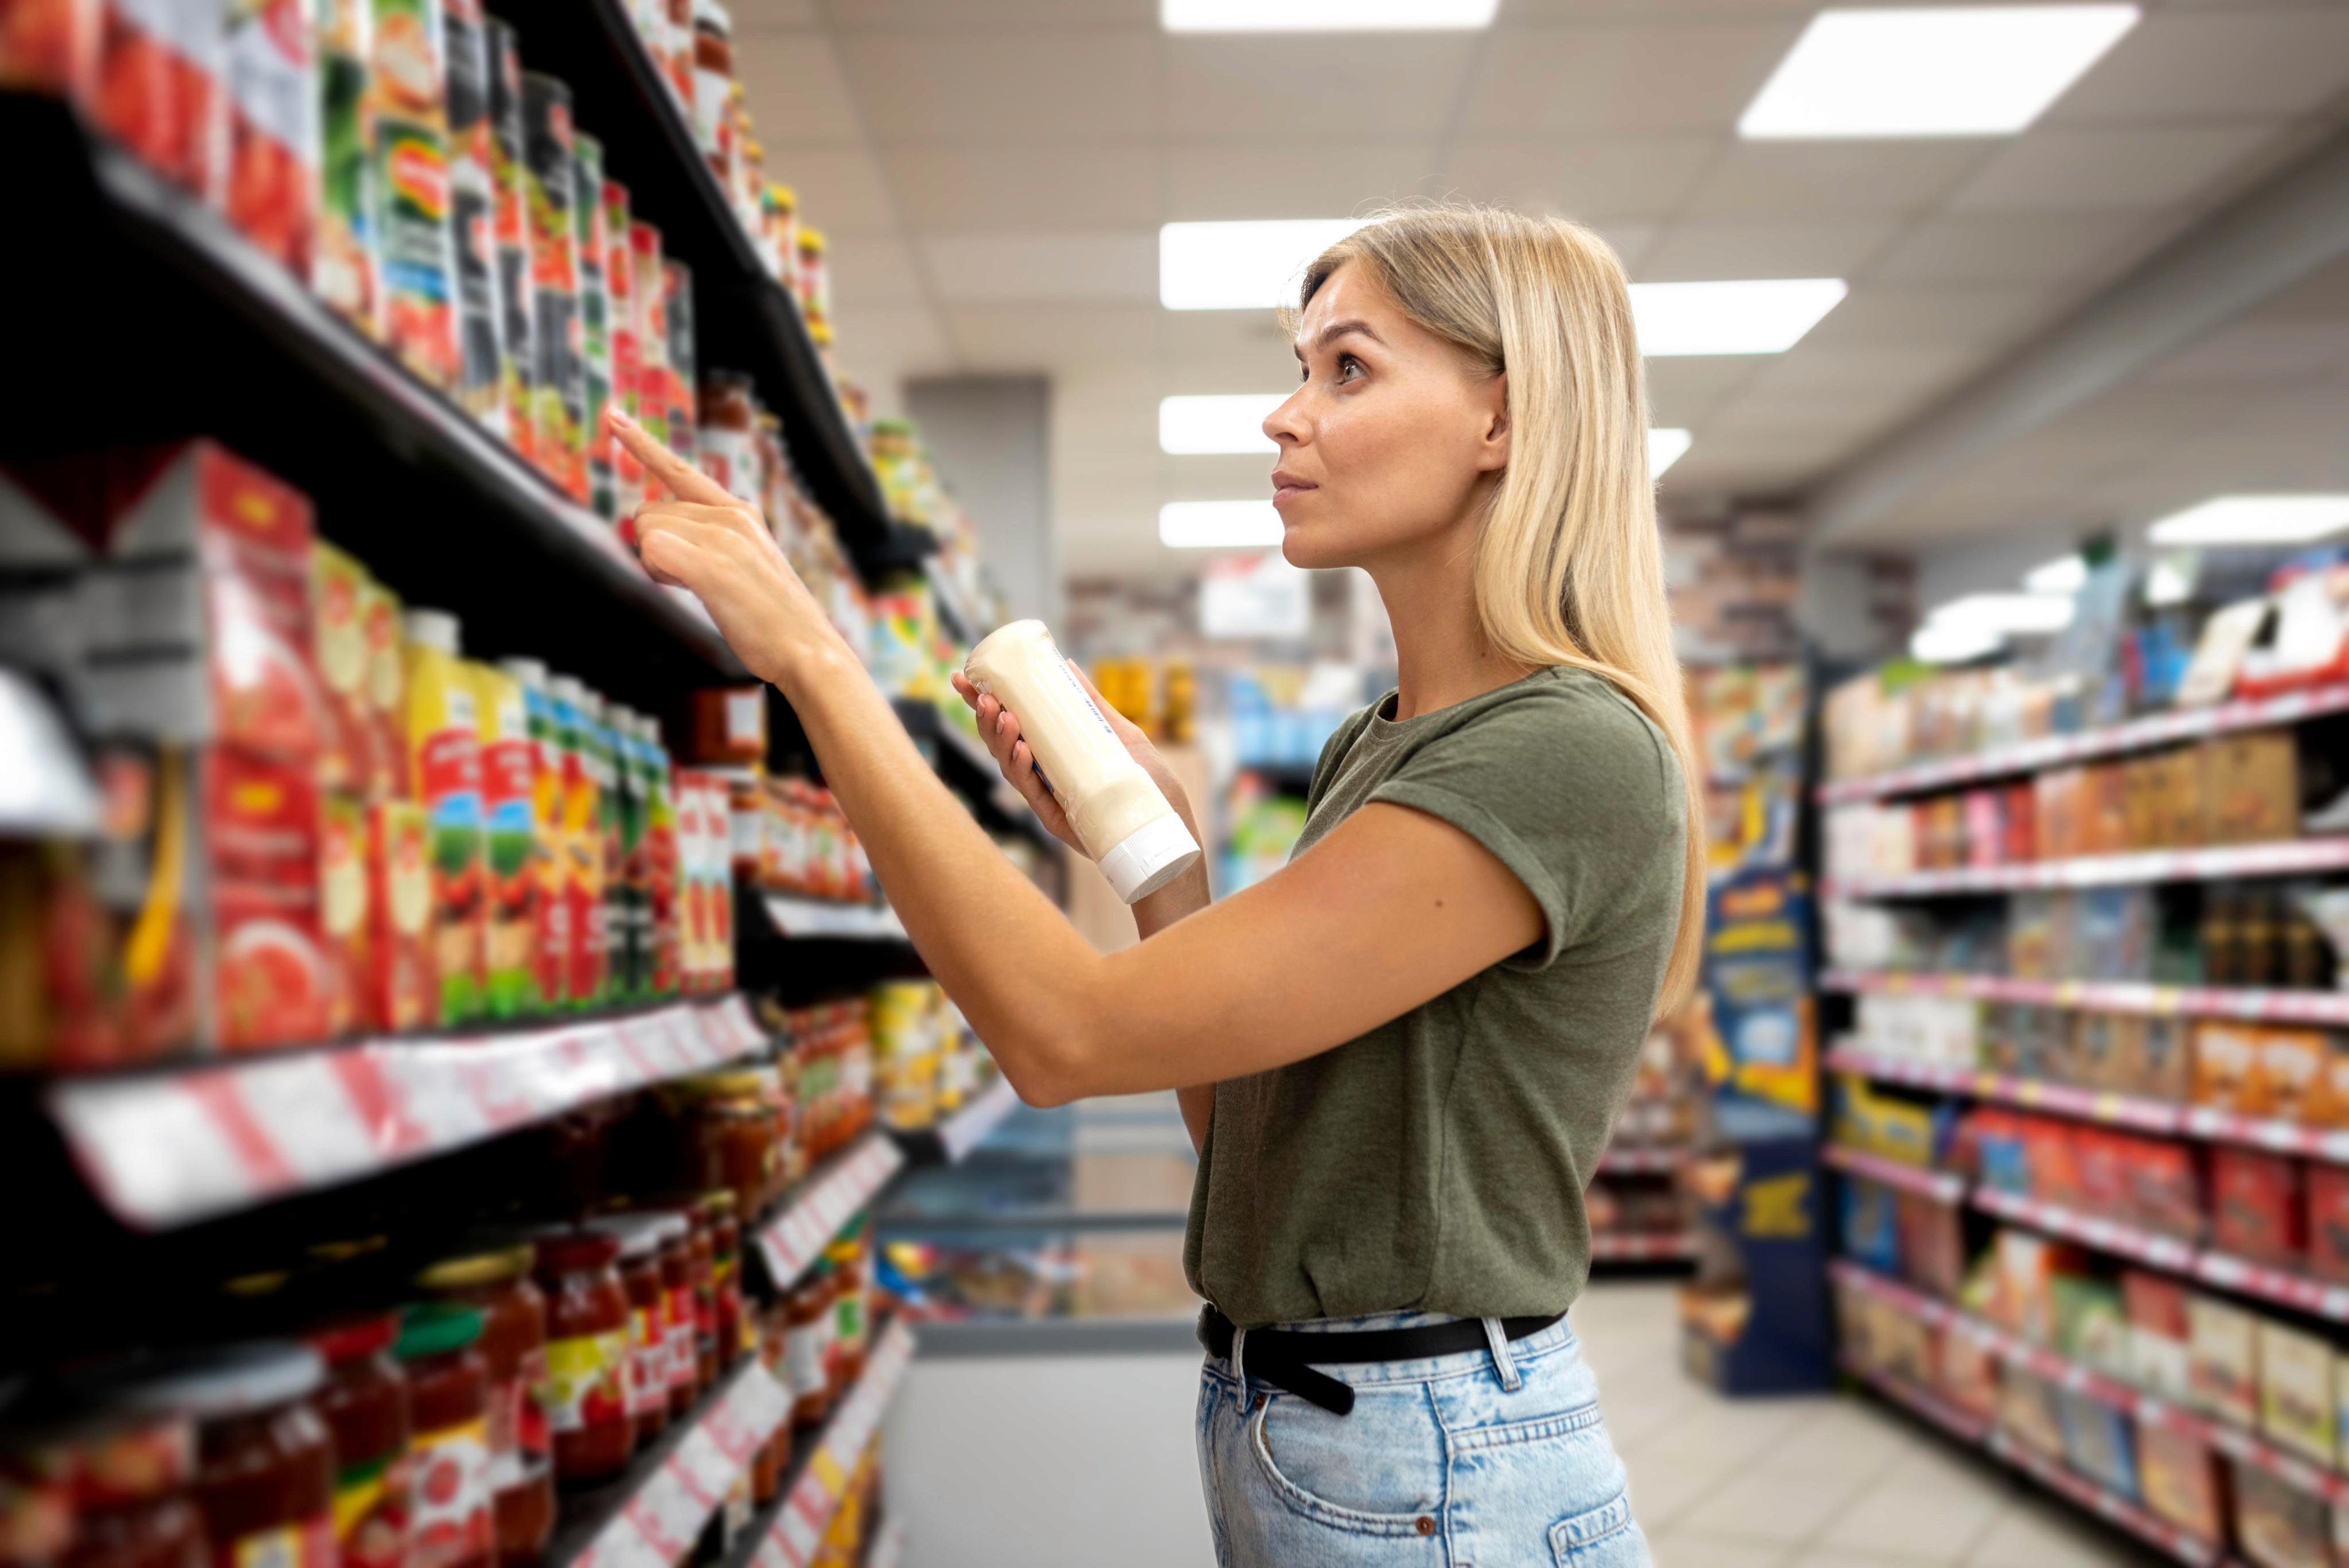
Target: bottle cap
x,y
1149,857
531,672
432,627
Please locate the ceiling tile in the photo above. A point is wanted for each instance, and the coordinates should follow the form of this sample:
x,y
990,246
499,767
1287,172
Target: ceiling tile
x,y
873,269
1687,392
972,87
1697,76
796,90
1821,247
1020,266
840,189
2247,60
1223,351
1279,178
2016,247
1632,177
1897,376
1044,186
1754,465
2082,169
1314,88
1786,180
1064,338
1874,318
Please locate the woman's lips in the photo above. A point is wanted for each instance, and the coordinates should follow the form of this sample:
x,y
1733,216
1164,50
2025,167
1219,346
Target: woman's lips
x,y
1285,486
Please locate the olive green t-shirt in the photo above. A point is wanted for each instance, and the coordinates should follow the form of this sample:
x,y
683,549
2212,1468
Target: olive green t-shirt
x,y
1438,1163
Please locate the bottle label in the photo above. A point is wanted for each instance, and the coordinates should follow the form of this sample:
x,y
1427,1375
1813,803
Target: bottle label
x,y
449,1521
587,1381
648,1361
371,1502
803,1359
307,1544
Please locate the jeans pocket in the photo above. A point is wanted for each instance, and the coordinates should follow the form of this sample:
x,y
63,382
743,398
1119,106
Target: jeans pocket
x,y
1601,1537
1379,1471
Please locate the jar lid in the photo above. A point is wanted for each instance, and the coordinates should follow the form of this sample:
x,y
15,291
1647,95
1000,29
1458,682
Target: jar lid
x,y
467,1269
719,1200
223,1380
436,1328
740,1083
348,1339
574,1248
640,1235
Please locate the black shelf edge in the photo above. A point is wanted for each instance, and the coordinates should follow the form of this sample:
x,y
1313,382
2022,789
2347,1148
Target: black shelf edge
x,y
951,1141
747,321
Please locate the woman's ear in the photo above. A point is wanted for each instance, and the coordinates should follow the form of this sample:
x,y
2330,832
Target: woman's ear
x,y
1492,450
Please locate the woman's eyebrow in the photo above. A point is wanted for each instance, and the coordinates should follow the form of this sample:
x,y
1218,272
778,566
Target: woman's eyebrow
x,y
1337,329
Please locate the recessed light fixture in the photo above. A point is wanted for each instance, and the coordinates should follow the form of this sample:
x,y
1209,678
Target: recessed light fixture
x,y
1232,422
1250,265
1754,315
2254,520
1218,524
1326,16
1931,71
1665,445
2007,615
1931,644
2063,574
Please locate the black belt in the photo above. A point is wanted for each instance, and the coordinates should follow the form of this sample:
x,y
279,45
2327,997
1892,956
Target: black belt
x,y
1280,1355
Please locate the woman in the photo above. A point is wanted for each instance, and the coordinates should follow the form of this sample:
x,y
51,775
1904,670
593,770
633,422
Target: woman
x,y
1399,1057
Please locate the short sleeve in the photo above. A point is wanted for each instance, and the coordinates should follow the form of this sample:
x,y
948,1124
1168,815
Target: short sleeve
x,y
1572,789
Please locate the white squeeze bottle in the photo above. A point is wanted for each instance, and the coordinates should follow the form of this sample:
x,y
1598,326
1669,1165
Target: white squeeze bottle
x,y
1121,818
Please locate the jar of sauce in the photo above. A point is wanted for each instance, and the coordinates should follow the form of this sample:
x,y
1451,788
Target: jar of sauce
x,y
807,1345
718,1208
850,1310
513,1342
452,1524
728,1124
129,1480
730,433
639,1263
364,1403
265,1481
702,1255
588,1373
677,1293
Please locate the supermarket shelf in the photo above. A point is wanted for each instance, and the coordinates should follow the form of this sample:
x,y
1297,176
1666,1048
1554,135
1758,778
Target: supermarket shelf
x,y
969,771
2255,1003
785,1533
1642,1161
166,1147
2076,1488
2105,1235
950,1140
2283,1286
960,618
650,1516
793,916
746,320
401,477
812,1213
2214,1125
1641,1247
2243,1447
1941,1185
2284,857
2051,751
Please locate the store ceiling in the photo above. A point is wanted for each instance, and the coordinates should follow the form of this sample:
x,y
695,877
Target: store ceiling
x,y
993,173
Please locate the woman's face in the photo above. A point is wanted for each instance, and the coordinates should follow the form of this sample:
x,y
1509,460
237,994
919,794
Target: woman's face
x,y
1393,437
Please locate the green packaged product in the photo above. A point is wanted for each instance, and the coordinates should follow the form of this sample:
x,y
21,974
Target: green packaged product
x,y
595,322
406,90
550,162
518,363
344,267
473,207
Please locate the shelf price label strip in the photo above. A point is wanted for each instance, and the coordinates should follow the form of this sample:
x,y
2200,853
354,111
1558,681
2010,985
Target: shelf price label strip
x,y
658,1525
798,916
1941,1185
167,1147
967,1128
816,1495
2256,1004
2280,858
814,1215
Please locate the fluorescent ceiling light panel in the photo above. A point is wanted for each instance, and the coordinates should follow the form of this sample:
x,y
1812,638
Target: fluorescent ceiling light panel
x,y
2254,520
1951,644
1226,423
1665,445
1241,265
1931,71
1755,316
2063,574
2006,614
1218,524
1326,16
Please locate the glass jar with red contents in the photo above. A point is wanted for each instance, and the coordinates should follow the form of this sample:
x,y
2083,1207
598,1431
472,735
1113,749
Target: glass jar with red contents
x,y
265,1481
729,1135
513,1342
129,1476
677,1284
719,1211
639,1265
451,1523
364,1403
701,1242
588,1375
807,1345
771,1322
852,1318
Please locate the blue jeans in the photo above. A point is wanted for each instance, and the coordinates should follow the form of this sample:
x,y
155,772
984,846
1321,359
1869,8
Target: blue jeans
x,y
1489,1459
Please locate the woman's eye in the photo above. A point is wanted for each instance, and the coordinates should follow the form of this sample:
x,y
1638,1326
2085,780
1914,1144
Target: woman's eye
x,y
1348,367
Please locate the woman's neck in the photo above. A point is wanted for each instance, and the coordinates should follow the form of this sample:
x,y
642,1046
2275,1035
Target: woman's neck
x,y
1441,653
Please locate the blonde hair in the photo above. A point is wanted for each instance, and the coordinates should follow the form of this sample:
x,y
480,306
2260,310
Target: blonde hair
x,y
1569,567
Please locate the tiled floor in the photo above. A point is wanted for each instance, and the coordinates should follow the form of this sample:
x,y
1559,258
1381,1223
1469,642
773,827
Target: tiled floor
x,y
1831,1481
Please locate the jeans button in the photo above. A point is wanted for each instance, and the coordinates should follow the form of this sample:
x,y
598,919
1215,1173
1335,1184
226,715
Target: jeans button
x,y
1424,1525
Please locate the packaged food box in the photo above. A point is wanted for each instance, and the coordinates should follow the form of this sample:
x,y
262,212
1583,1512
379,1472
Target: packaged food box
x,y
2096,1046
261,961
2156,1058
510,844
2226,1067
595,322
2159,1357
649,298
2105,825
2223,1366
517,300
51,47
551,909
1985,826
444,749
2141,791
2297,1405
2024,1268
2252,787
2165,1190
2292,1067
272,128
1967,1373
339,647
2029,1412
628,360
387,692
409,114
343,909
2059,810
2277,1525
2329,1107
685,369
2052,1154
582,847
480,326
2257,1208
662,852
1933,1239
402,992
2328,1221
2098,1441
2179,1479
346,270
2092,1327
161,89
2180,805
550,165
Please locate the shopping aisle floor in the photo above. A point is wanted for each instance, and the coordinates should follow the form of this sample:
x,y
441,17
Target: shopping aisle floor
x,y
1832,1481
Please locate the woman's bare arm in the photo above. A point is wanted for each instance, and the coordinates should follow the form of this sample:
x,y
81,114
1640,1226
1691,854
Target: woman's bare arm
x,y
1392,909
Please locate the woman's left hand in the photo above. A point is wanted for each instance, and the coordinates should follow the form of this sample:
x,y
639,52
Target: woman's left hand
x,y
717,545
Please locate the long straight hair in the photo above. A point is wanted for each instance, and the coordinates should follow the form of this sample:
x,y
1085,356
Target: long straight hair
x,y
1569,567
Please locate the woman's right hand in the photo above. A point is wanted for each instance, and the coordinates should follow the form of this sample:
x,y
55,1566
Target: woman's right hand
x,y
998,727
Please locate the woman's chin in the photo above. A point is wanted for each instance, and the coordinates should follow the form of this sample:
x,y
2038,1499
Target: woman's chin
x,y
1301,549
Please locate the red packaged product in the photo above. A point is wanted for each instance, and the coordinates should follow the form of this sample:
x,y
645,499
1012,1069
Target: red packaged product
x,y
2164,1194
2053,1163
401,989
266,960
2022,831
272,128
160,89
343,908
51,47
2328,1221
2100,1160
619,273
2256,1207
